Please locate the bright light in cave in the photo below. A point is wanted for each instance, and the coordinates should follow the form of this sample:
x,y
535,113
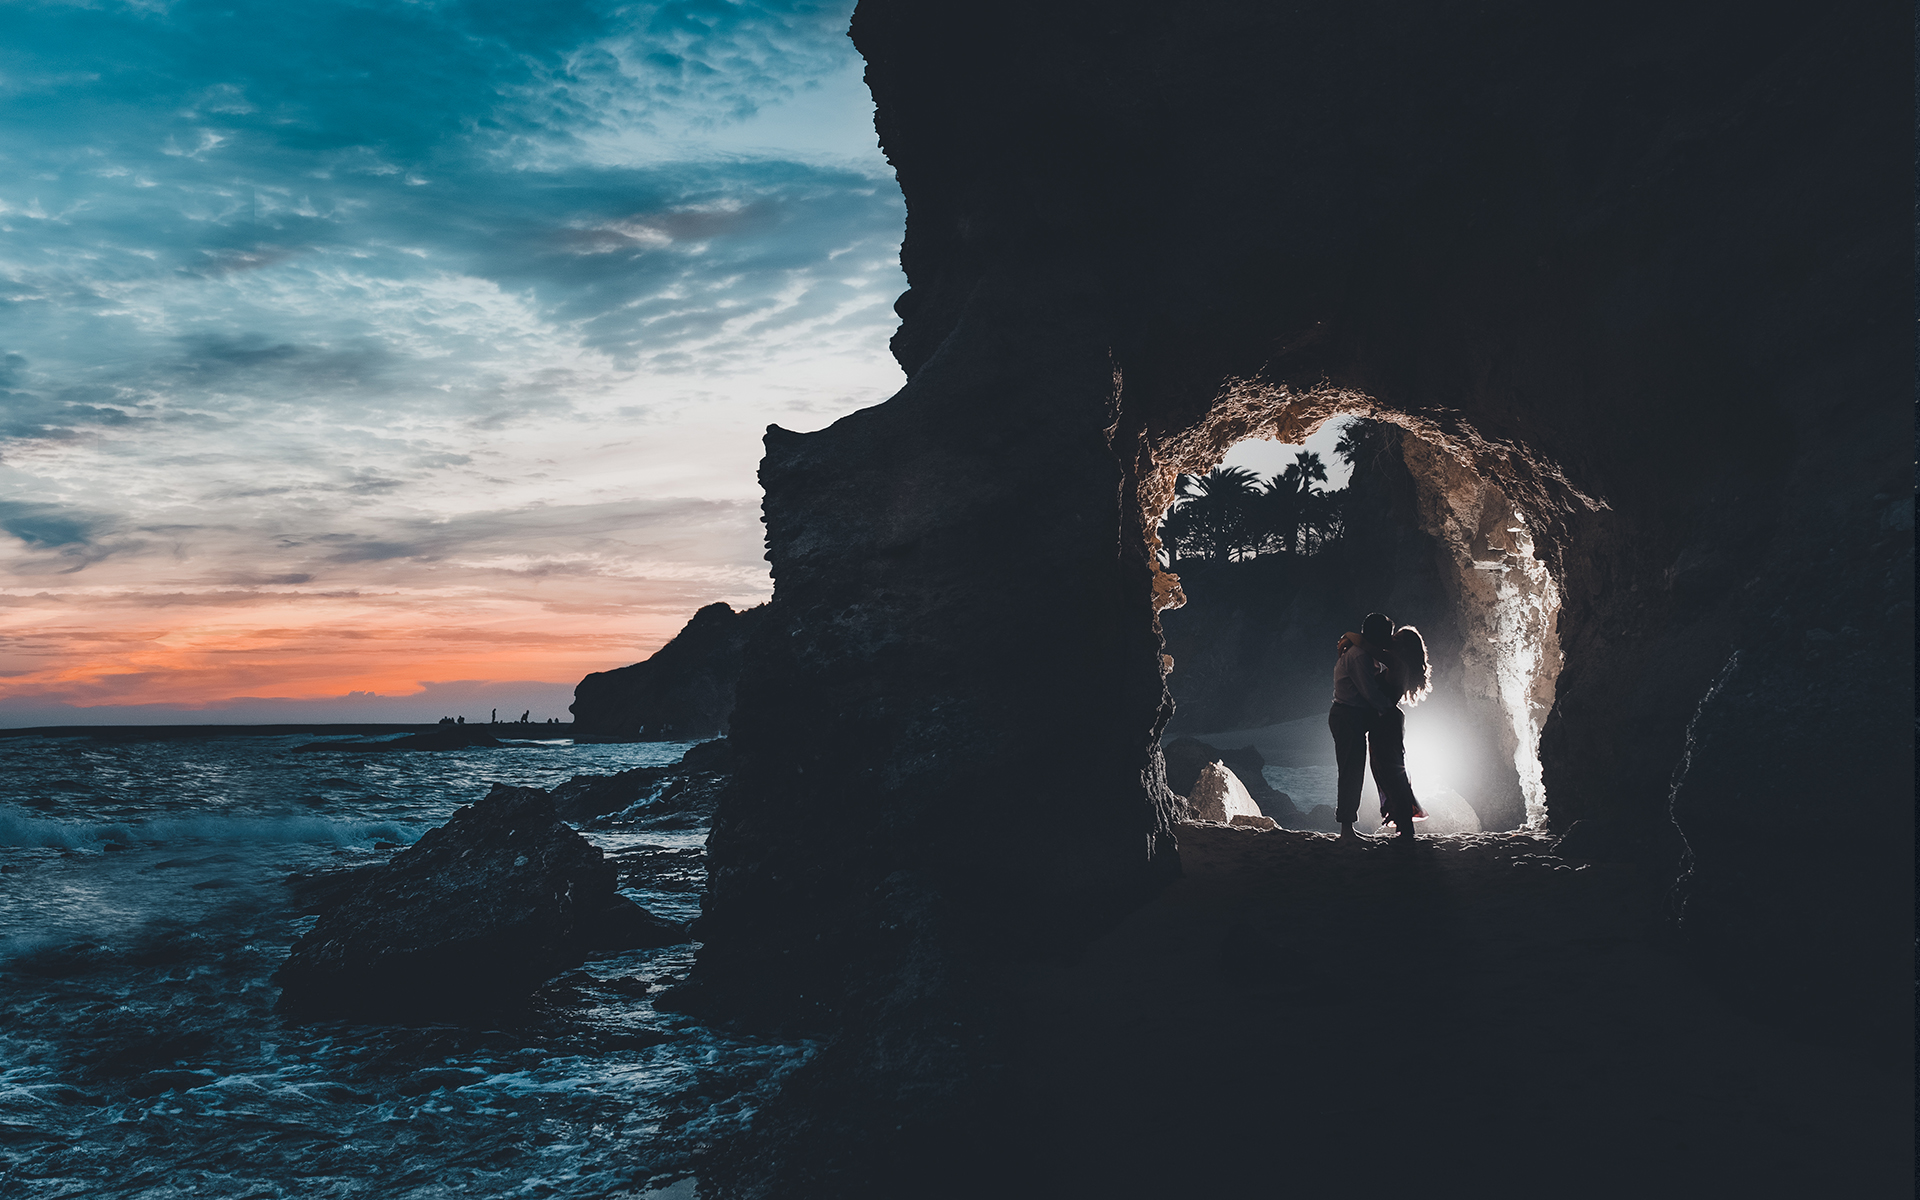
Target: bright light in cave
x,y
1526,658
1264,547
1432,759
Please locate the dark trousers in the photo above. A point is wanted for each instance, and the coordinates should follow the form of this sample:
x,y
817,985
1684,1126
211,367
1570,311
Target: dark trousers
x,y
1360,733
1350,726
1388,749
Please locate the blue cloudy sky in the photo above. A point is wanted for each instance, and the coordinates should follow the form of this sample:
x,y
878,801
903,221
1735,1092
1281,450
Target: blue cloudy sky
x,y
380,360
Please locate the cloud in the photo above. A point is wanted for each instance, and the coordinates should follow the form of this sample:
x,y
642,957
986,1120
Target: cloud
x,y
49,525
369,315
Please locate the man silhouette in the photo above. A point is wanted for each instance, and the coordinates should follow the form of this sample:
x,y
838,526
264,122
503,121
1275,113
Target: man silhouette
x,y
1362,696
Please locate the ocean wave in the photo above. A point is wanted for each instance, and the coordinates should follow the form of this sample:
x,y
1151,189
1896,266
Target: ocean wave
x,y
20,829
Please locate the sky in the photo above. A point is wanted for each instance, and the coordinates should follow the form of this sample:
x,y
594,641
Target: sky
x,y
1268,458
385,361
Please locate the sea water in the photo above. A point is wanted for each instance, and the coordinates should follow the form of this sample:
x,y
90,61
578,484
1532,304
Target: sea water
x,y
143,907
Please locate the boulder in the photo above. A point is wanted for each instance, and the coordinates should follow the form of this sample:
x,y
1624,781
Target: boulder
x,y
1248,765
1218,795
470,919
1186,757
682,802
1447,812
714,757
585,797
624,925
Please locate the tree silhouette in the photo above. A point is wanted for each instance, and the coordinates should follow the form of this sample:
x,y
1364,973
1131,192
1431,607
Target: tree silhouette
x,y
1362,439
1214,519
1229,515
1291,497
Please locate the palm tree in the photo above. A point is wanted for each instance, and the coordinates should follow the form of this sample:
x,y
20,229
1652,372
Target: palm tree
x,y
1237,482
1324,520
1280,514
1363,437
1289,496
1213,517
1305,470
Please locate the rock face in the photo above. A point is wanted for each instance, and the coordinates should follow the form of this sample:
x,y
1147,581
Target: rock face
x,y
684,692
585,797
1651,368
470,919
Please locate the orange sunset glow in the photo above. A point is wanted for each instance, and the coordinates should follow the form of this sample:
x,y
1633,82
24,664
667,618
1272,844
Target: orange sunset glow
x,y
386,404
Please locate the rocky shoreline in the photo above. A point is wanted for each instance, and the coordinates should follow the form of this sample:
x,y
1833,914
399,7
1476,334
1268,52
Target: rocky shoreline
x,y
471,920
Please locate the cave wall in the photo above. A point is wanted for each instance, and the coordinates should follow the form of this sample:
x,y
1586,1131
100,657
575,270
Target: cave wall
x,y
1644,268
948,725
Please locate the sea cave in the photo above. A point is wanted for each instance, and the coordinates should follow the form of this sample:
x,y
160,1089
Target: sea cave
x,y
1649,410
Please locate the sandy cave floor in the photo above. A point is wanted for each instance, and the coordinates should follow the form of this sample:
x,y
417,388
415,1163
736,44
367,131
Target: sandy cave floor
x,y
1471,1014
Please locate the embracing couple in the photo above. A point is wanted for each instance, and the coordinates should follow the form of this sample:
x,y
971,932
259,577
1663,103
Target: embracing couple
x,y
1377,669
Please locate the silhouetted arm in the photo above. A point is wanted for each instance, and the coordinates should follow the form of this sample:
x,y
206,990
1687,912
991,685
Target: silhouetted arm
x,y
1370,680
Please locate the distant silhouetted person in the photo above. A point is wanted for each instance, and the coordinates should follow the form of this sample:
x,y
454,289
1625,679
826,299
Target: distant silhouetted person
x,y
461,721
526,716
493,717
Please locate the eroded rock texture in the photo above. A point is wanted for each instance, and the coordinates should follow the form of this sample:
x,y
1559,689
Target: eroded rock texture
x,y
1642,269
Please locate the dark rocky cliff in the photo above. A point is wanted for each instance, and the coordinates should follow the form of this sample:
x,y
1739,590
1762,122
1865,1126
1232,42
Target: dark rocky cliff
x,y
1637,277
684,692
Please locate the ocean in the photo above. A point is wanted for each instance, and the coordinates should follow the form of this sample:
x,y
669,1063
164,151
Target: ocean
x,y
143,906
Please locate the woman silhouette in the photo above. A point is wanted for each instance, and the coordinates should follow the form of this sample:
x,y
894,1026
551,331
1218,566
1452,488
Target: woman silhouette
x,y
1408,678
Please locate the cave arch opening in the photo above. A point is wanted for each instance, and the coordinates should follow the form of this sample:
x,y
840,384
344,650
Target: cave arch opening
x,y
1273,528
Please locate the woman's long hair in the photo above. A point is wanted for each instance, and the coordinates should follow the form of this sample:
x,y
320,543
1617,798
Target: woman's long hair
x,y
1410,652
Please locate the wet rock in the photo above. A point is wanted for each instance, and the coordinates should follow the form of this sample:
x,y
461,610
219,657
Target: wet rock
x,y
713,756
317,891
682,802
624,925
472,918
685,691
585,797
